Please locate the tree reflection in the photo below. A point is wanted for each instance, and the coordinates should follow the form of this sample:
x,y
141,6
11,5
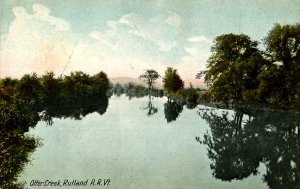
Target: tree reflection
x,y
172,110
151,109
17,115
238,143
74,107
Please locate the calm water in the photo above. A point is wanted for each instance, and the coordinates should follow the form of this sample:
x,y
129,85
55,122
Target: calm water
x,y
165,145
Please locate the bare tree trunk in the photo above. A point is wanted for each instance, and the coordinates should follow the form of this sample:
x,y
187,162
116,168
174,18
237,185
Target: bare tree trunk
x,y
150,90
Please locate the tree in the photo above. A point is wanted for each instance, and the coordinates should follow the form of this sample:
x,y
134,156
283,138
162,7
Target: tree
x,y
16,149
8,85
101,82
29,87
16,113
149,77
191,98
77,83
229,66
118,89
15,146
8,82
283,48
51,85
172,81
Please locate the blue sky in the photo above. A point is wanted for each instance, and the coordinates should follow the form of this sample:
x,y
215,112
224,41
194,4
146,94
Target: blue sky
x,y
125,37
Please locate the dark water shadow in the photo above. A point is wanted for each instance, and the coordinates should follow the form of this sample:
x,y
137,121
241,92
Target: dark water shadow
x,y
18,116
74,107
238,143
151,109
172,110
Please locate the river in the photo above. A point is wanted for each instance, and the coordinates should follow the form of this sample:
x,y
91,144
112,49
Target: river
x,y
132,143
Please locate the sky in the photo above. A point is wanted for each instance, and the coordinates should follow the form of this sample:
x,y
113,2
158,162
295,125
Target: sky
x,y
125,37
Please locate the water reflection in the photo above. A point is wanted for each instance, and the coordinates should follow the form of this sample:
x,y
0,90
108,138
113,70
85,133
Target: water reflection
x,y
134,91
151,109
238,143
172,110
17,116
75,107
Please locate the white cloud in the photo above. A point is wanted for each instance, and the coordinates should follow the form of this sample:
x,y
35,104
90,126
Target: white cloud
x,y
198,39
35,42
42,14
39,9
101,38
196,53
128,19
39,41
191,51
195,61
166,46
128,36
174,20
154,29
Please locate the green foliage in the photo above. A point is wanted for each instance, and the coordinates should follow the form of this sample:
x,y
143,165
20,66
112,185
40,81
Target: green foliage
x,y
16,114
172,81
134,90
29,87
118,89
50,85
149,77
9,84
77,93
237,71
283,47
283,43
26,101
15,153
192,95
206,97
101,83
77,83
15,147
34,88
233,63
189,94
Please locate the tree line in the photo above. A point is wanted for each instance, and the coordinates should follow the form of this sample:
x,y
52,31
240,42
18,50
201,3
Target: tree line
x,y
239,71
135,90
33,88
24,98
173,85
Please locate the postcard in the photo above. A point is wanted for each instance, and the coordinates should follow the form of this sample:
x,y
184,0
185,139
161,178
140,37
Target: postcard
x,y
132,94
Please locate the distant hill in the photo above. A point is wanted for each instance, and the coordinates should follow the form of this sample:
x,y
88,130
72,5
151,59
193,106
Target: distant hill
x,y
125,80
